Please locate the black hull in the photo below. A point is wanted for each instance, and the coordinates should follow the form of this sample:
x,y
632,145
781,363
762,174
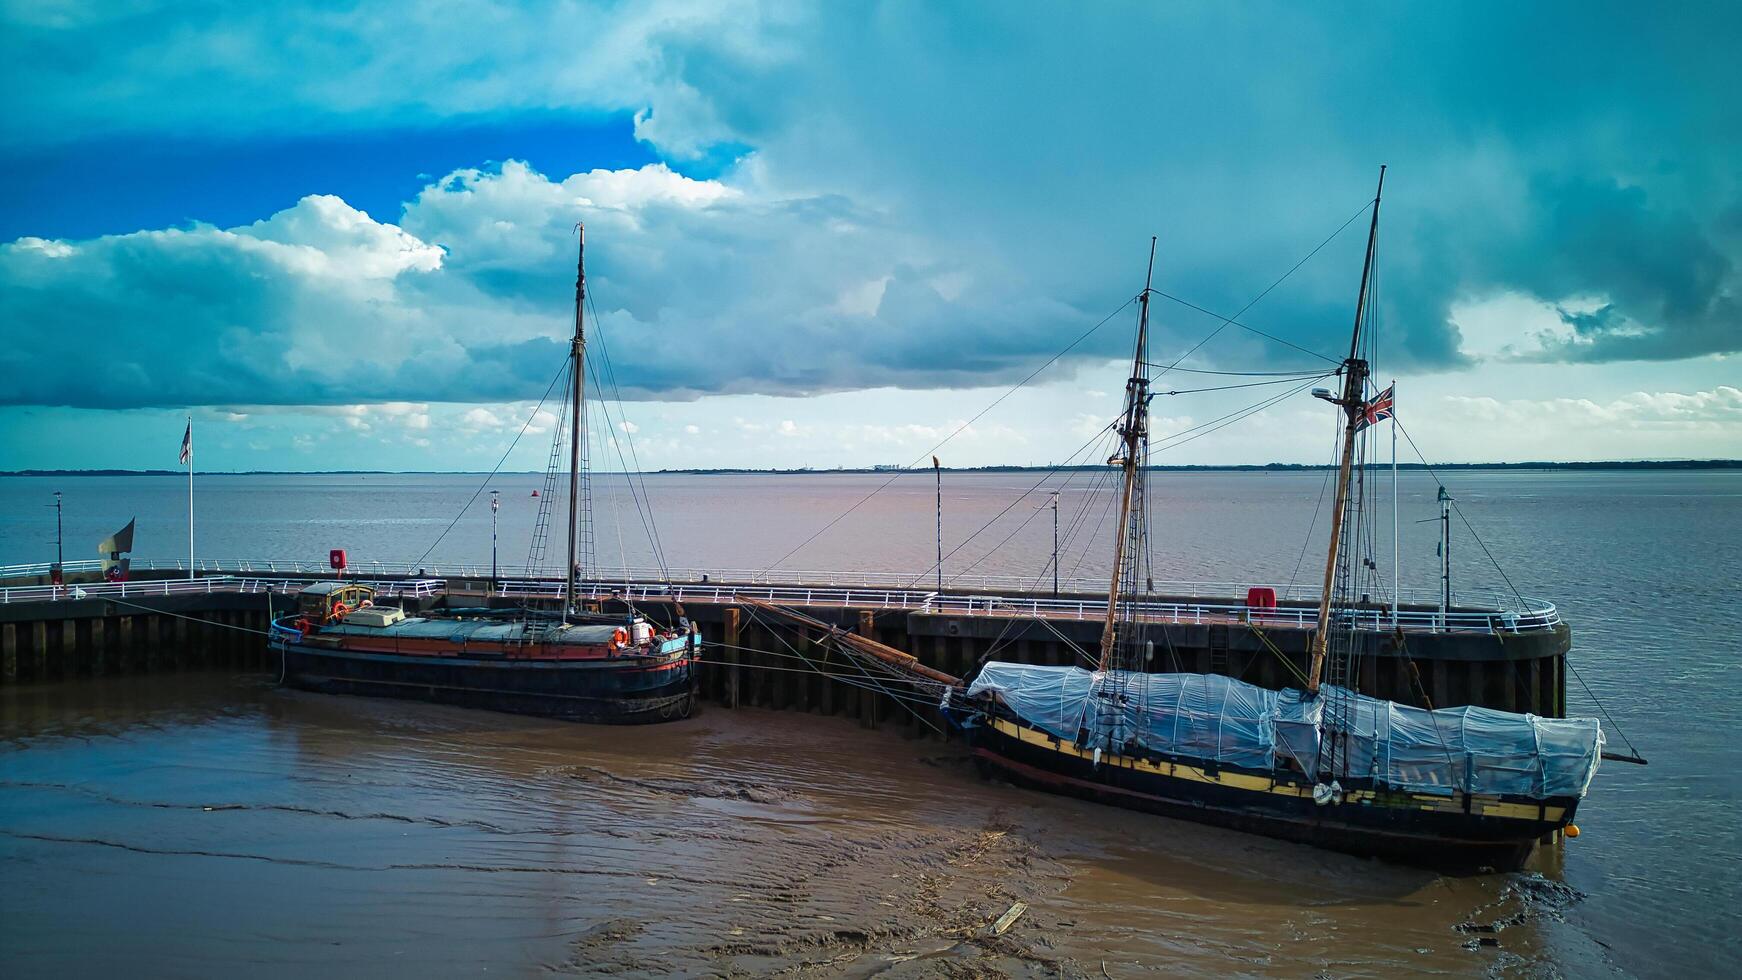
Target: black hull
x,y
624,691
1457,842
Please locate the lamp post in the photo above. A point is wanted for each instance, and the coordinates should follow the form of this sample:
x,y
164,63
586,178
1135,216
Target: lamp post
x,y
1055,544
495,505
58,576
938,469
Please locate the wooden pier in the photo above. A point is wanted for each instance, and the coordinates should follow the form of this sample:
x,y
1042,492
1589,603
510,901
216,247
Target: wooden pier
x,y
1513,660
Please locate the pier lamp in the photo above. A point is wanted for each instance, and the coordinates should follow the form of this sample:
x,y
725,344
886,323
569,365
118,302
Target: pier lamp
x,y
495,505
57,575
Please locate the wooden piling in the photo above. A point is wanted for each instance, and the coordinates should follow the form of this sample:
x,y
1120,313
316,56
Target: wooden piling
x,y
867,699
39,650
734,636
99,647
68,663
9,652
125,654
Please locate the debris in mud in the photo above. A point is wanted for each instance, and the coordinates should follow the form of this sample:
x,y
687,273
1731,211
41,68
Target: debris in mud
x,y
946,907
1009,918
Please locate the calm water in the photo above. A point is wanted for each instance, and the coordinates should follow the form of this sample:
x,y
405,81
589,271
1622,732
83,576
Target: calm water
x,y
217,824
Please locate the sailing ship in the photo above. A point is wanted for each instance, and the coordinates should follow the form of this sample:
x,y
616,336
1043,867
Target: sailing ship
x,y
1465,788
574,665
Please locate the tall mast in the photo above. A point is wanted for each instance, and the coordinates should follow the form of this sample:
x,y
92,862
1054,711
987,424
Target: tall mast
x,y
1352,403
1133,430
577,389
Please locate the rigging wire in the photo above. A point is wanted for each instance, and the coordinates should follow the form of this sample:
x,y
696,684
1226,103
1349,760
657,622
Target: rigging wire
x,y
1249,384
1567,660
1205,428
1033,513
636,475
1093,440
1237,374
1241,312
854,661
1101,476
1095,535
1073,344
1230,320
646,521
495,469
1318,508
958,431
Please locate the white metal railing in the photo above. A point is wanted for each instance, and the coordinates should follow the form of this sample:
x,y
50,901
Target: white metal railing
x,y
1298,615
1484,599
206,585
1218,606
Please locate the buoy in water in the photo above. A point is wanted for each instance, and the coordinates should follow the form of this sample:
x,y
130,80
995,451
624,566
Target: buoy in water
x,y
1572,830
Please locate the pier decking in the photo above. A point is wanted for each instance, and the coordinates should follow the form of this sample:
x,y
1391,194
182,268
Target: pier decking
x,y
1497,651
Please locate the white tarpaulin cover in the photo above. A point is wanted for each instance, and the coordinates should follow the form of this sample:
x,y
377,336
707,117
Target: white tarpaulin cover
x,y
1221,720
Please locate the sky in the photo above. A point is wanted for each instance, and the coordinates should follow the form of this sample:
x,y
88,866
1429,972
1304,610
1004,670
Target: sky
x,y
341,235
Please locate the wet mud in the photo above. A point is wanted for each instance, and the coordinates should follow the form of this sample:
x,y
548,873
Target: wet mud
x,y
203,825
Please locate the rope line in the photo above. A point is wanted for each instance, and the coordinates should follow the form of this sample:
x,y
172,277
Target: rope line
x,y
636,475
1567,660
958,431
493,470
1226,320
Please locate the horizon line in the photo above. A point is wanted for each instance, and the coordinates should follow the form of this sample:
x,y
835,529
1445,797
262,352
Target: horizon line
x,y
1668,463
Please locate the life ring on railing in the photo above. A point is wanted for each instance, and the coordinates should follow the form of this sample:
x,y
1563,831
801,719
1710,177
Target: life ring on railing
x,y
303,625
619,638
340,610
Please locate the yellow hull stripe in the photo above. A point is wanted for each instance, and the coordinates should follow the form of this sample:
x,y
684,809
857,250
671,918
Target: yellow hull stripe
x,y
1487,806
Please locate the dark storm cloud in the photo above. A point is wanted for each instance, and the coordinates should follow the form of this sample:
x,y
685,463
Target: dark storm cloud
x,y
937,214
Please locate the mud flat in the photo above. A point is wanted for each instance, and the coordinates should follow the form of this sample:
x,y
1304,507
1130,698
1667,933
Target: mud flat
x,y
216,824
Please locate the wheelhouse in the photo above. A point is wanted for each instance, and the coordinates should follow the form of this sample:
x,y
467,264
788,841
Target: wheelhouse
x,y
324,602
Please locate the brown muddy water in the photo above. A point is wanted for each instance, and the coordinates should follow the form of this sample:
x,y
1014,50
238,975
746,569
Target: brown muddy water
x,y
196,825
207,824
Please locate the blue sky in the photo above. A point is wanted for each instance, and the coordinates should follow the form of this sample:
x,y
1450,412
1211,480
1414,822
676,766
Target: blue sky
x,y
823,234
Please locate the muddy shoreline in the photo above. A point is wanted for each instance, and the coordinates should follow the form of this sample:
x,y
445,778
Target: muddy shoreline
x,y
209,824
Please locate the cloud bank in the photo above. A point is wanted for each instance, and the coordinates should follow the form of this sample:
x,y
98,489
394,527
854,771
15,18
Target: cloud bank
x,y
926,196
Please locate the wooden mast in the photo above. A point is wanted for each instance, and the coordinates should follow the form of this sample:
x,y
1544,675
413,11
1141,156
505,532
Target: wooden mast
x,y
577,389
1353,403
1132,430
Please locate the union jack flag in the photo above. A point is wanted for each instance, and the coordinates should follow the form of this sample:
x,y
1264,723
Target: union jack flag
x,y
1377,410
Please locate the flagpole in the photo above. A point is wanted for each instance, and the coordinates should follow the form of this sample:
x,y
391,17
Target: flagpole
x,y
938,469
1395,576
190,496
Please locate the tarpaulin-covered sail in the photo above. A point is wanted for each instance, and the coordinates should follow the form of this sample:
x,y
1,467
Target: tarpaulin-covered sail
x,y
1224,721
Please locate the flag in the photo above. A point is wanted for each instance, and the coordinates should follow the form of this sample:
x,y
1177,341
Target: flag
x,y
1377,410
187,443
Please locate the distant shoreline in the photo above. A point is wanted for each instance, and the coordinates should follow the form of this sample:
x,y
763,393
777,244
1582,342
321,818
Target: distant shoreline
x,y
1648,464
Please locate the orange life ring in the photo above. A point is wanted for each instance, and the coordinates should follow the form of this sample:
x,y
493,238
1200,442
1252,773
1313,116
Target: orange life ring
x,y
620,637
340,610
